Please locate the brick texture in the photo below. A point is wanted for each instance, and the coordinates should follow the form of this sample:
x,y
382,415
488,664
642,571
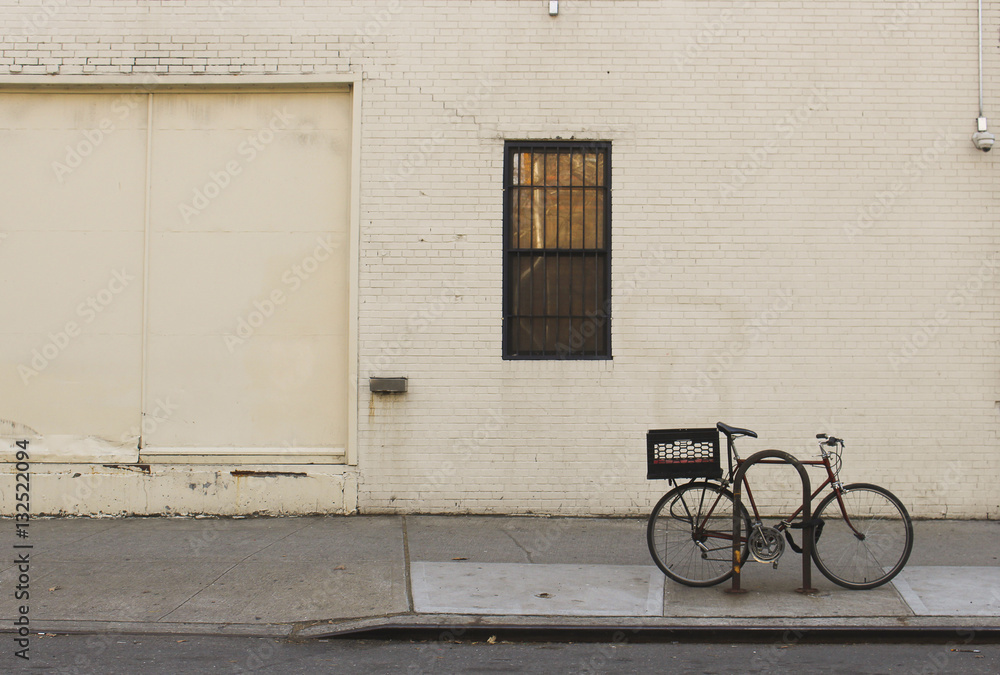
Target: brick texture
x,y
804,238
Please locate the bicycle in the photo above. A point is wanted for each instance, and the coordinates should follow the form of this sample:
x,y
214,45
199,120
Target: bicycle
x,y
863,534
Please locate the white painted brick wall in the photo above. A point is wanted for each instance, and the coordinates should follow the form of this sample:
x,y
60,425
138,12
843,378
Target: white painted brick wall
x,y
804,238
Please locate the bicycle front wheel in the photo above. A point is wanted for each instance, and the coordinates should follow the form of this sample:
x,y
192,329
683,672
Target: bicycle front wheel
x,y
866,536
690,534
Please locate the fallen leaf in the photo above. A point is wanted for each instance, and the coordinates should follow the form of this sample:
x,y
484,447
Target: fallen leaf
x,y
492,640
543,595
55,588
340,567
459,558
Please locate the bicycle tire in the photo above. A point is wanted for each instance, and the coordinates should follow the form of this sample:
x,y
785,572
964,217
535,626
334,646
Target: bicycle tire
x,y
868,562
680,531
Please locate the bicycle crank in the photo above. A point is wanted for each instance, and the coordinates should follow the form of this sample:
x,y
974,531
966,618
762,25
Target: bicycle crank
x,y
766,544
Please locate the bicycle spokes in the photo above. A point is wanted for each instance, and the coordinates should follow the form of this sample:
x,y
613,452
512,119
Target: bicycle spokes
x,y
884,544
690,534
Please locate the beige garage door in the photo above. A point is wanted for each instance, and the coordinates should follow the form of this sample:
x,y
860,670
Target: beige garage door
x,y
193,249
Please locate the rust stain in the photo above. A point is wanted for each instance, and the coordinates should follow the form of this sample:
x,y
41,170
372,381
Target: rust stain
x,y
268,474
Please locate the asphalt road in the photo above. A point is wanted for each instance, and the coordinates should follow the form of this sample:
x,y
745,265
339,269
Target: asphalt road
x,y
179,655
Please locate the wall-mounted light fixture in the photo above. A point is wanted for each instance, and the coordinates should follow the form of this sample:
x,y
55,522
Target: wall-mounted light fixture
x,y
553,7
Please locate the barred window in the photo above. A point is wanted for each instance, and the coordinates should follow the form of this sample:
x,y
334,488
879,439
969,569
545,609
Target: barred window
x,y
557,246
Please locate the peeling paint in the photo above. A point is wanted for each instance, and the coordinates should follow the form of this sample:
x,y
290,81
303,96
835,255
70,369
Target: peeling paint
x,y
141,468
70,449
125,489
10,428
268,474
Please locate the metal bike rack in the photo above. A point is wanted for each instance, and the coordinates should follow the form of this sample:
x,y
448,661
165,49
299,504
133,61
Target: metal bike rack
x,y
808,526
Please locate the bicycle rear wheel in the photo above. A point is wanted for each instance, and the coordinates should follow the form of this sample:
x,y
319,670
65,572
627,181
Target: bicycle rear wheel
x,y
690,534
875,549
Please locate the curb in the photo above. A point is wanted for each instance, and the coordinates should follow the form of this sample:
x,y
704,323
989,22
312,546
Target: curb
x,y
472,628
650,634
70,627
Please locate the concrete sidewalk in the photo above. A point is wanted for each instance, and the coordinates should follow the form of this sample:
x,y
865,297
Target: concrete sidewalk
x,y
322,575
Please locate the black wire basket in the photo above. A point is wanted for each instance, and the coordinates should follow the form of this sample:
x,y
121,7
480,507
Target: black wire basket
x,y
683,453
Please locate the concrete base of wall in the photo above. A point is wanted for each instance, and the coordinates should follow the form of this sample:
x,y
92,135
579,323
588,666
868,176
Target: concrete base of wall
x,y
179,489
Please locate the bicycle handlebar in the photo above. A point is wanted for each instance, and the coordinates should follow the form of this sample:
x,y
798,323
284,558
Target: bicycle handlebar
x,y
830,440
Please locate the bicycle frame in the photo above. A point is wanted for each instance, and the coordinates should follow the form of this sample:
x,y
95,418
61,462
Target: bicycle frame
x,y
831,480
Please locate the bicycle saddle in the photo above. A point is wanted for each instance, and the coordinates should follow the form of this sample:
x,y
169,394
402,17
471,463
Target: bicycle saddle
x,y
735,431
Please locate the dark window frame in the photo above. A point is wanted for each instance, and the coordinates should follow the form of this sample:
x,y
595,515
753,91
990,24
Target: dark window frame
x,y
587,335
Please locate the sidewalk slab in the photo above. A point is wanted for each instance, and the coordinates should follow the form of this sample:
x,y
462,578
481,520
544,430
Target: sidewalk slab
x,y
181,540
306,575
287,592
955,542
951,591
536,589
214,571
338,540
772,593
112,591
584,541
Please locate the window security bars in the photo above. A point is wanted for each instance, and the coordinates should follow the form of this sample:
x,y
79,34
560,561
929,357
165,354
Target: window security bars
x,y
557,244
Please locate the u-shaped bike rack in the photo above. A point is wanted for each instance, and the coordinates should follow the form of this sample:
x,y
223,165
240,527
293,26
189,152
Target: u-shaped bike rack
x,y
808,526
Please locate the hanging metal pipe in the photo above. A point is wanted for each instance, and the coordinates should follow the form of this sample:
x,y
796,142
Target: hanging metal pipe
x,y
982,139
981,58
